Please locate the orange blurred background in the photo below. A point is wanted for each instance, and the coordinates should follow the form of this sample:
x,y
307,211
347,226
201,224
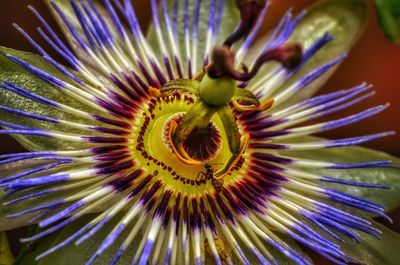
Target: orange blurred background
x,y
373,59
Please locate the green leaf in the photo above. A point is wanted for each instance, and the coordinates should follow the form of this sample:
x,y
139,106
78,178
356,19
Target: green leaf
x,y
230,18
389,18
279,257
6,257
9,71
79,255
345,20
373,251
11,169
30,250
388,176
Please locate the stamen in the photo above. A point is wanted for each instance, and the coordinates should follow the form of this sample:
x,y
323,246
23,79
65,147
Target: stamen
x,y
233,161
266,105
202,72
182,150
155,92
179,151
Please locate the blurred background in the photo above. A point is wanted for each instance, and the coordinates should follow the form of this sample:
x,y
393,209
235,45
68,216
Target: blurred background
x,y
373,59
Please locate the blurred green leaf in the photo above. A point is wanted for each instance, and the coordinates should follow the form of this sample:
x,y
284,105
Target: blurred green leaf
x,y
6,257
72,254
389,18
281,258
79,255
6,171
11,169
28,251
388,176
373,251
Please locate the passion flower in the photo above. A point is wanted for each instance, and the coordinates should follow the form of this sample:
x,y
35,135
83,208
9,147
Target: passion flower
x,y
183,149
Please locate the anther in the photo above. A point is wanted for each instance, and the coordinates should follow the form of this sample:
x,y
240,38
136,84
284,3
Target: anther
x,y
179,151
266,105
202,72
221,174
155,92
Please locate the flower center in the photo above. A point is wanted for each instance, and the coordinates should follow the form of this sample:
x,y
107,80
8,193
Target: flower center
x,y
151,149
202,144
191,137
